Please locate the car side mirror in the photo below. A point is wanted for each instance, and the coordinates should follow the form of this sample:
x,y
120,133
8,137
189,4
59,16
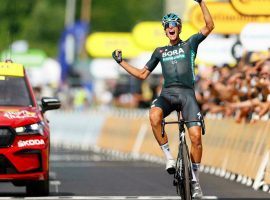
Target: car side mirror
x,y
49,103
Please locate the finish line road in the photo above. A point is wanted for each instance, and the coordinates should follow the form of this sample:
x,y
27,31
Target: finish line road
x,y
99,198
84,175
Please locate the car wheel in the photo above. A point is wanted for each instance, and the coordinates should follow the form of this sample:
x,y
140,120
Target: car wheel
x,y
38,188
19,183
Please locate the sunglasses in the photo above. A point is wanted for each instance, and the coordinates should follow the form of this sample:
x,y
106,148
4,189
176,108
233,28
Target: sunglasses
x,y
171,24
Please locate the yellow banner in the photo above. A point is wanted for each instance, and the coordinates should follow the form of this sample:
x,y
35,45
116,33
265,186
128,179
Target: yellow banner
x,y
187,30
103,44
226,19
11,69
252,7
150,35
146,36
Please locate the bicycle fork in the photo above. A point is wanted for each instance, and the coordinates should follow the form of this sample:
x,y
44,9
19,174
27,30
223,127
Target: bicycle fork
x,y
179,176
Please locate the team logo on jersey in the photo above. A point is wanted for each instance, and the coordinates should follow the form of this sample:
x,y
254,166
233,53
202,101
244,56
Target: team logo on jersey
x,y
176,54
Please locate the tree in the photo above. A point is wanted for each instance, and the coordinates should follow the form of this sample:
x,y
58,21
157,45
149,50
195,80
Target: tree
x,y
122,15
41,22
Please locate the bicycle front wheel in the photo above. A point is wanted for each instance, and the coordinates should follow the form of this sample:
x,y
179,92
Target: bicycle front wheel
x,y
186,174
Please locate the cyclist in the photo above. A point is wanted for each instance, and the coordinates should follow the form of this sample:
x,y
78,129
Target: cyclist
x,y
177,61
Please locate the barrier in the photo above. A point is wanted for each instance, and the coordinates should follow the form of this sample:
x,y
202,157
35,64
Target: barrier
x,y
79,130
228,146
242,149
119,133
267,171
237,148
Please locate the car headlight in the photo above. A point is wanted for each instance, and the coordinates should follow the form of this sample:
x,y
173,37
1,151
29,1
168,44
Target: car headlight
x,y
37,128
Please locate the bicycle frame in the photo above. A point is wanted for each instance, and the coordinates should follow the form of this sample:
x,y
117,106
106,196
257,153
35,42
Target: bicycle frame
x,y
181,124
183,174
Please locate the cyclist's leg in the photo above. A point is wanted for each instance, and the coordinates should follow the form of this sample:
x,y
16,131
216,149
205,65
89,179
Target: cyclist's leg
x,y
156,116
196,143
196,155
159,109
191,112
195,150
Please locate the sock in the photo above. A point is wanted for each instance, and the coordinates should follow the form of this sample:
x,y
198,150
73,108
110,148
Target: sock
x,y
195,171
165,148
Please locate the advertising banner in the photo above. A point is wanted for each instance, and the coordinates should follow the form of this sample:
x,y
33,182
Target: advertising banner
x,y
256,37
216,50
32,58
227,20
150,35
102,44
252,7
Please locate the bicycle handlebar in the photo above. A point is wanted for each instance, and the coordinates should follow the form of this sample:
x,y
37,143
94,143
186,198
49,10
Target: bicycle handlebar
x,y
182,122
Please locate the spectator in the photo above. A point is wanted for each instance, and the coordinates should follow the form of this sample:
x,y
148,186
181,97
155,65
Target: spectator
x,y
242,91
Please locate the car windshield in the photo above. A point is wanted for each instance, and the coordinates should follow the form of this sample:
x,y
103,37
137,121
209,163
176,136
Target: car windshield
x,y
14,92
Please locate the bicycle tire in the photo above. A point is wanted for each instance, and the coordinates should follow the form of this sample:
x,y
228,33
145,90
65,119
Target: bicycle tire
x,y
177,176
187,175
182,170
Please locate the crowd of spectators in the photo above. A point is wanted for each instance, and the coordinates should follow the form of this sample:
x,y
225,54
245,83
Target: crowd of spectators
x,y
241,91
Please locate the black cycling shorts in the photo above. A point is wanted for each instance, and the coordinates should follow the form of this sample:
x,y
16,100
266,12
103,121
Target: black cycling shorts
x,y
179,98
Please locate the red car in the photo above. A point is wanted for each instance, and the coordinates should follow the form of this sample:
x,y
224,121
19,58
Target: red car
x,y
24,131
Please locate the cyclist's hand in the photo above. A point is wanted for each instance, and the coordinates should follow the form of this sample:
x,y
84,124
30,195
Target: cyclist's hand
x,y
198,1
117,55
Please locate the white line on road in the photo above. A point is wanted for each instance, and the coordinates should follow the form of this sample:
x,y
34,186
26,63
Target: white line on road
x,y
102,197
139,140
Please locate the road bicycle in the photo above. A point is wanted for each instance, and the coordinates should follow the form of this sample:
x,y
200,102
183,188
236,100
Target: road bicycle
x,y
183,173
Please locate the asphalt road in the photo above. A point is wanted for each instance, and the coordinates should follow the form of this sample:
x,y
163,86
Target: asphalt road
x,y
76,175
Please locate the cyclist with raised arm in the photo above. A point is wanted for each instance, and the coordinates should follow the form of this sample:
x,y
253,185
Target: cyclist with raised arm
x,y
177,61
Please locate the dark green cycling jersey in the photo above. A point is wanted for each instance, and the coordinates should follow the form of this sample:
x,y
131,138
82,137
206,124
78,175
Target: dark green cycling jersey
x,y
177,61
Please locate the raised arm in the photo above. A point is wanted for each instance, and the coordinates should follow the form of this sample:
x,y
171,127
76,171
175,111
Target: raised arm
x,y
136,72
209,23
